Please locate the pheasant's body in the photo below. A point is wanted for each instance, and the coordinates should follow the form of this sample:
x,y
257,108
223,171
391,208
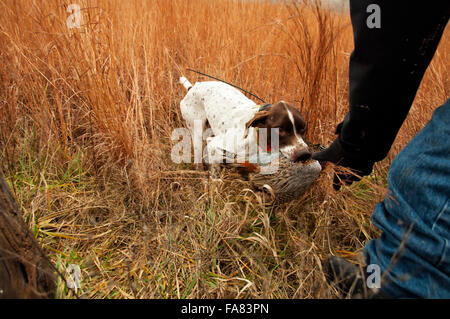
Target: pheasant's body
x,y
289,181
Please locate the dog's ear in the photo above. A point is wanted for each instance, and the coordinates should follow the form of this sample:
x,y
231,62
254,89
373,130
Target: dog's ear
x,y
259,120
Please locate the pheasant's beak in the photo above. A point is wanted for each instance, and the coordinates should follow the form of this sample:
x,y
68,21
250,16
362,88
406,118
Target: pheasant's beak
x,y
323,164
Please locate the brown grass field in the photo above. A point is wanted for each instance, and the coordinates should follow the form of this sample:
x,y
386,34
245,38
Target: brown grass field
x,y
86,117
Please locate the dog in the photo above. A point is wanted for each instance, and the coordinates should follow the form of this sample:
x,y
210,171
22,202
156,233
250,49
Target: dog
x,y
236,121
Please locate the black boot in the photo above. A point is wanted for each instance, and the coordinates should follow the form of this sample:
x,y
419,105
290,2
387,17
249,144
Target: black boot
x,y
349,279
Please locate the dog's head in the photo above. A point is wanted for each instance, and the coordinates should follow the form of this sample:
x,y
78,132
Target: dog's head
x,y
291,127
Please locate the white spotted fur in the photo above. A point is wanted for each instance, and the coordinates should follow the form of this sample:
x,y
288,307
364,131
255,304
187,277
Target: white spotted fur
x,y
227,111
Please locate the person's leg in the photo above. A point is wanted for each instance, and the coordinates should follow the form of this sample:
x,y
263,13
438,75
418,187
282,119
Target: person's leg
x,y
413,250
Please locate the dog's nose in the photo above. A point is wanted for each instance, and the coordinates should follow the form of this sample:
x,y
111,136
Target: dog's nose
x,y
302,155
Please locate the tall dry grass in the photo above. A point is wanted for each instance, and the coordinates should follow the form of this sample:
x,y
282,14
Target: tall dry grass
x,y
86,117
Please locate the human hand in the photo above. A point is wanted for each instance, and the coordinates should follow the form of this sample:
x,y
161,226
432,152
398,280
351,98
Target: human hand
x,y
337,155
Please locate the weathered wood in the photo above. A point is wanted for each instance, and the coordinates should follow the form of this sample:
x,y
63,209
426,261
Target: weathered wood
x,y
24,270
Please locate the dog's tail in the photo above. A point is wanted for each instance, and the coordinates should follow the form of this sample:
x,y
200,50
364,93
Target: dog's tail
x,y
185,83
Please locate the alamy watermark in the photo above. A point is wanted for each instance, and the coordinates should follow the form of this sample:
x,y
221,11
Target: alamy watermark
x,y
373,281
74,279
374,19
74,20
229,148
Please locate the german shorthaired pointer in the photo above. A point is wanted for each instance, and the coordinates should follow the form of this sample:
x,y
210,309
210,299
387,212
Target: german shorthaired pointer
x,y
233,118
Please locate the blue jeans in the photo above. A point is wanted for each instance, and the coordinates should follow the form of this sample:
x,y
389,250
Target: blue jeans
x,y
413,251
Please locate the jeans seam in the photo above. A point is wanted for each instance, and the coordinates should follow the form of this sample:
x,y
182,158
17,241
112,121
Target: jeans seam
x,y
446,245
443,255
438,216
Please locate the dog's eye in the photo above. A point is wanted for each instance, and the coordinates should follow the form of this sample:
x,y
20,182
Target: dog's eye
x,y
284,133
